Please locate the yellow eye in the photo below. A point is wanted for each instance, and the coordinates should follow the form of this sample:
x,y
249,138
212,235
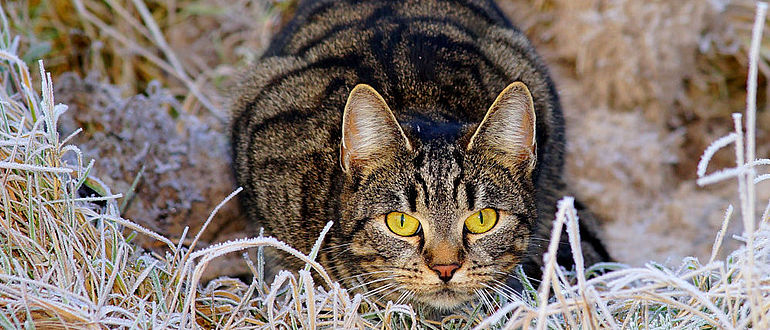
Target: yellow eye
x,y
481,221
402,224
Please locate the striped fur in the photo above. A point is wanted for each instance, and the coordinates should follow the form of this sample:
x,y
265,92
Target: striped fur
x,y
439,65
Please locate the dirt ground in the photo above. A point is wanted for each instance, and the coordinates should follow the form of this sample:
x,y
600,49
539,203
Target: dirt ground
x,y
645,86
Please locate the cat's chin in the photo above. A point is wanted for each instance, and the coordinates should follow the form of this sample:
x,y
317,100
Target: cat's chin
x,y
445,299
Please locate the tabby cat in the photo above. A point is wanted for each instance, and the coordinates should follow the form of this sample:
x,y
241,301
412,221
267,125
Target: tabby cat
x,y
428,131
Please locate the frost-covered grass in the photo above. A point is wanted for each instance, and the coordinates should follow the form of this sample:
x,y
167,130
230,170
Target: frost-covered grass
x,y
66,260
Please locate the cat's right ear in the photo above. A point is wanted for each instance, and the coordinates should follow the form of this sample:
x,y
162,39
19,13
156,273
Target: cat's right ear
x,y
369,129
508,129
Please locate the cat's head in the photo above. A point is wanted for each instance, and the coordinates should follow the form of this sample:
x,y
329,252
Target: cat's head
x,y
436,212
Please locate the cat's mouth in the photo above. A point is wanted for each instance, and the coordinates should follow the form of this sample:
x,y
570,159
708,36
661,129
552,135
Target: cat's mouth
x,y
446,297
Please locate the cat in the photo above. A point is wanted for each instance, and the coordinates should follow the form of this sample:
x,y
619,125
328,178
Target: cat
x,y
430,132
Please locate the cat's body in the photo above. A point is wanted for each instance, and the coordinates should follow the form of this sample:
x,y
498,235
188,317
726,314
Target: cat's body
x,y
439,66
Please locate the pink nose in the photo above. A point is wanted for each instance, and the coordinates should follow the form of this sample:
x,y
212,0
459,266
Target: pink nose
x,y
445,272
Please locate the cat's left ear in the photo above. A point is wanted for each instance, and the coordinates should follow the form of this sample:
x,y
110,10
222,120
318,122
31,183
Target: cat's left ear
x,y
370,132
508,128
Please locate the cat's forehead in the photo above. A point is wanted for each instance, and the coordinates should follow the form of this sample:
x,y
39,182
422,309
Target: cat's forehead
x,y
440,158
438,168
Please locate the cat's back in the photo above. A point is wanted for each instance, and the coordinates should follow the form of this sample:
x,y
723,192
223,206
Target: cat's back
x,y
440,60
317,21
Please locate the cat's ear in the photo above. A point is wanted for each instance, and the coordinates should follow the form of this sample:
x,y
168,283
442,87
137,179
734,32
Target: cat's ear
x,y
508,128
369,129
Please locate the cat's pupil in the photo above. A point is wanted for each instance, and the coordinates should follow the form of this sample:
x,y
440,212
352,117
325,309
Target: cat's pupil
x,y
481,218
402,221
